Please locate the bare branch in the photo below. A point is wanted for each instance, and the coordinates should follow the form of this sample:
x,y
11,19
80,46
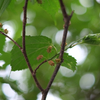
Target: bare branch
x,y
24,24
66,20
65,15
24,49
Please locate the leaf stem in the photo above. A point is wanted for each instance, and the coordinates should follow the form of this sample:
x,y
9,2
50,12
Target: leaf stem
x,y
24,49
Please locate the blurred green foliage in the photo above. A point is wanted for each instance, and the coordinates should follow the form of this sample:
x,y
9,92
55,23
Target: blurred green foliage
x,y
85,20
3,5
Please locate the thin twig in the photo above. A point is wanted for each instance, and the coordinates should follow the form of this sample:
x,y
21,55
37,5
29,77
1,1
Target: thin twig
x,y
66,20
23,36
53,56
40,65
24,49
24,24
45,62
65,15
12,40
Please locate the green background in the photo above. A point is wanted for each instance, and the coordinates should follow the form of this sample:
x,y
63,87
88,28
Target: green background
x,y
67,88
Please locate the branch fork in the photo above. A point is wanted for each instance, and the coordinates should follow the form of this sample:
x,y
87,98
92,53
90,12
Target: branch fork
x,y
67,19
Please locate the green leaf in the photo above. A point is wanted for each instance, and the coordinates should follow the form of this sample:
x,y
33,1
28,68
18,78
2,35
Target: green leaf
x,y
50,6
35,46
69,62
3,5
2,42
93,39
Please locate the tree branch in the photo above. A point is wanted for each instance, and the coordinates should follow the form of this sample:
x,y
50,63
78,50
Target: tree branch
x,y
24,24
65,15
12,40
24,48
66,20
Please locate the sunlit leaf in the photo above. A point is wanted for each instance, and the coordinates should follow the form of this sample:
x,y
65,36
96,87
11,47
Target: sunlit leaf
x,y
35,46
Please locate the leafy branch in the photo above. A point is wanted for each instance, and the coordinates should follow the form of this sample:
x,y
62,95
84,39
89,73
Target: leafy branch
x,y
35,52
23,49
67,21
